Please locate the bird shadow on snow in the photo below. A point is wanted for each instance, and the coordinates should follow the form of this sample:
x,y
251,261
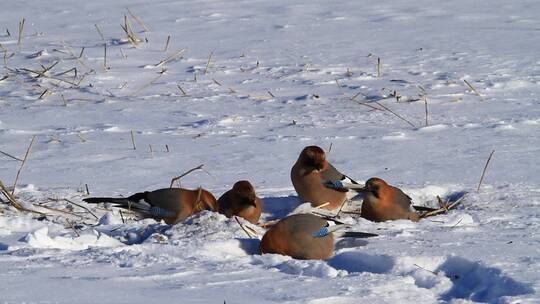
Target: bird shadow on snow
x,y
279,207
474,281
470,280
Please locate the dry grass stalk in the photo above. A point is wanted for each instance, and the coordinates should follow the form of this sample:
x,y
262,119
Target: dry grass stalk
x,y
11,199
21,28
474,90
181,90
133,140
242,226
216,82
172,57
124,56
151,151
122,217
177,178
378,67
129,32
322,205
64,100
139,20
11,156
22,164
79,59
397,115
268,224
484,171
426,107
81,53
5,191
83,207
100,34
41,74
271,95
44,95
146,85
58,210
105,57
444,207
87,190
208,63
74,70
366,104
167,43
70,224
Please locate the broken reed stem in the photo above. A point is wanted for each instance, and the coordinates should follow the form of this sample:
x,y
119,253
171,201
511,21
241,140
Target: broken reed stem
x,y
22,164
57,210
64,100
73,227
199,167
208,63
99,32
426,107
378,67
397,115
322,205
167,43
474,89
81,53
242,226
105,57
83,207
87,190
484,171
11,156
139,20
146,85
5,191
181,90
122,217
170,58
133,140
21,28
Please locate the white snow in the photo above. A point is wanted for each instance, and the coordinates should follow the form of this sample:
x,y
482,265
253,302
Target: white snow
x,y
281,76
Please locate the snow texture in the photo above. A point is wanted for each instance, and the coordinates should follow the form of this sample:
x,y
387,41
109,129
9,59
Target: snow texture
x,y
256,82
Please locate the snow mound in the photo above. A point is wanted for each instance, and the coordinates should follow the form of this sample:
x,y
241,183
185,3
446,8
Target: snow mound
x,y
41,239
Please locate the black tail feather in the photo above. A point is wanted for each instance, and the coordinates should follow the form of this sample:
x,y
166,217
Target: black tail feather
x,y
423,208
130,203
357,234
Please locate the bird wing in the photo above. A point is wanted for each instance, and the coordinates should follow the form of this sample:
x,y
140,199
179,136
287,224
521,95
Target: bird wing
x,y
403,199
336,180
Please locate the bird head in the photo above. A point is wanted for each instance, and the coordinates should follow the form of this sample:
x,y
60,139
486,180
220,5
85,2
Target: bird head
x,y
374,187
313,157
245,191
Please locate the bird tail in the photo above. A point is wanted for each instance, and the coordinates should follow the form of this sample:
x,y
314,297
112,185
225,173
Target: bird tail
x,y
135,202
357,234
423,208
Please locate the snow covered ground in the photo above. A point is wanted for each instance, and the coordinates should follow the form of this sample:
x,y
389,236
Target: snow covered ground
x,y
281,76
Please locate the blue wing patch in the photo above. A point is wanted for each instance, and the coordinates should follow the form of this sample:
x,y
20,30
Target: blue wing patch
x,y
335,185
158,212
321,233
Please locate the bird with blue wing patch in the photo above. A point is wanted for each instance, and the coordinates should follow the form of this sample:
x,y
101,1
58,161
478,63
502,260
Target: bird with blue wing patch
x,y
318,182
305,236
172,205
